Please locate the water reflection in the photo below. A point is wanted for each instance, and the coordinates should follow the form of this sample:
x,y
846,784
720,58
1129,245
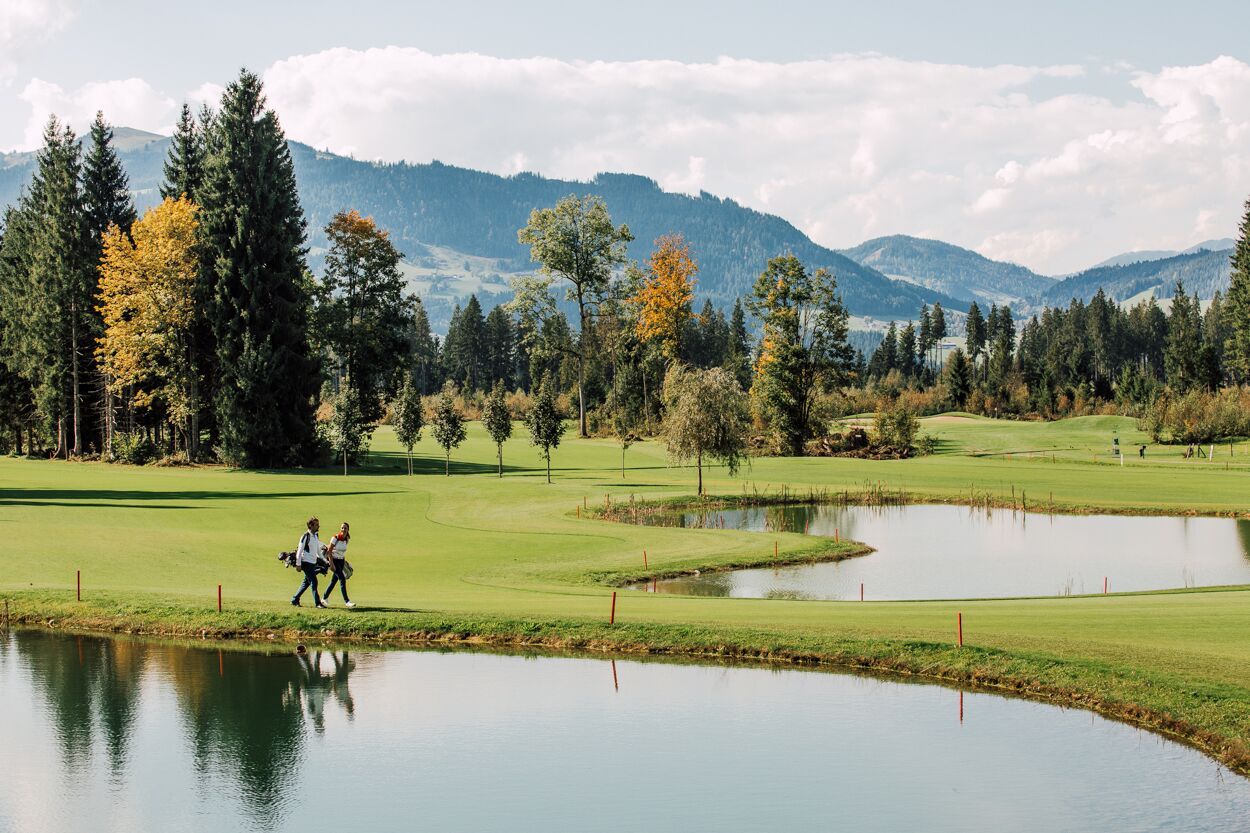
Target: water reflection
x,y
933,552
194,739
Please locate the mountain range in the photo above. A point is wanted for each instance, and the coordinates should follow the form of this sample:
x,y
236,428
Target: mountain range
x,y
457,228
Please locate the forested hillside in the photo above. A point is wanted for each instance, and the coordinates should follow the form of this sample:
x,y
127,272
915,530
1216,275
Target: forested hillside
x,y
1203,272
477,214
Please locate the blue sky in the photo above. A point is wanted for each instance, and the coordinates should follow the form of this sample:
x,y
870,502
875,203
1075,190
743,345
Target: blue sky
x,y
1051,134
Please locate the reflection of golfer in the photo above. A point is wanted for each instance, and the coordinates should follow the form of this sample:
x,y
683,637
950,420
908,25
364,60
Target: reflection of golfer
x,y
307,551
338,562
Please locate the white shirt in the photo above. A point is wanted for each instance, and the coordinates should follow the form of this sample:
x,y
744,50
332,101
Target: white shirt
x,y
308,555
338,547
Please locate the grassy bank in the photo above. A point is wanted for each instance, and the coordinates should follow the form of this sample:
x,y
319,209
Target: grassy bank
x,y
508,561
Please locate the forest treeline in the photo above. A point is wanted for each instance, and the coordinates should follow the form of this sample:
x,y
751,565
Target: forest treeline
x,y
198,332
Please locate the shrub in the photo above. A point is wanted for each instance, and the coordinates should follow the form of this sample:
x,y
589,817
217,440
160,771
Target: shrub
x,y
133,448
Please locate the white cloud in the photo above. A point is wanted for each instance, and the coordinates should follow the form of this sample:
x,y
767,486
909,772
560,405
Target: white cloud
x,y
131,102
25,23
846,147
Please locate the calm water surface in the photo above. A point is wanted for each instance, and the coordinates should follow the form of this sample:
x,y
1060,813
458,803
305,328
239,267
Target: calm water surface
x,y
119,735
951,552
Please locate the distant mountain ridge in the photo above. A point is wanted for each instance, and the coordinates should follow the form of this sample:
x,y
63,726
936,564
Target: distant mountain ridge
x,y
1216,245
950,269
1204,271
458,226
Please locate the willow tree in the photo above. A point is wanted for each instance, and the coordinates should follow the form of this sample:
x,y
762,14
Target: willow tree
x,y
577,243
706,416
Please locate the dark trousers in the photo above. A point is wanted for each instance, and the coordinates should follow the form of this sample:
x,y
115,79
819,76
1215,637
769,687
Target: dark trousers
x,y
310,580
336,567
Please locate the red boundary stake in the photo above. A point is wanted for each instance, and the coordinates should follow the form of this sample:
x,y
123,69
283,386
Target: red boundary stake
x,y
655,585
1104,585
612,615
959,624
219,598
776,553
644,560
861,591
79,577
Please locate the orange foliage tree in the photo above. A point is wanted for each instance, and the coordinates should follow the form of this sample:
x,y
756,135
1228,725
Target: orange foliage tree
x,y
664,298
146,282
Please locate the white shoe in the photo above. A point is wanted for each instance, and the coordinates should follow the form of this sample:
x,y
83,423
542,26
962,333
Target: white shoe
x,y
349,604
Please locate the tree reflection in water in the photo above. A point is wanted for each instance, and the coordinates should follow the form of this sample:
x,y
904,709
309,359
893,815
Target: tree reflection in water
x,y
244,714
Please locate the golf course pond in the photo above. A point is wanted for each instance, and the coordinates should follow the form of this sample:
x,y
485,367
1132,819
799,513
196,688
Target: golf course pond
x,y
104,734
957,552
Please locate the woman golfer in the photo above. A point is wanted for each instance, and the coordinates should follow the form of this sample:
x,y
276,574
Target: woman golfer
x,y
338,560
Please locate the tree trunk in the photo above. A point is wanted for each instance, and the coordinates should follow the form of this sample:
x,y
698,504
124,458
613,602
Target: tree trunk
x,y
193,440
76,404
447,463
698,462
581,398
410,462
345,461
622,462
499,448
549,467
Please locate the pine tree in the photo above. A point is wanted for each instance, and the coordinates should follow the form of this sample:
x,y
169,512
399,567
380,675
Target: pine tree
x,y
1182,357
924,336
937,327
497,419
105,187
499,347
1237,306
545,422
907,351
254,238
738,349
59,309
958,378
975,332
448,425
423,352
184,166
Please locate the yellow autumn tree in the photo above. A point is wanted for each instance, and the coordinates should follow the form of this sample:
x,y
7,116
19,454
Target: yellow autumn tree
x,y
664,297
146,302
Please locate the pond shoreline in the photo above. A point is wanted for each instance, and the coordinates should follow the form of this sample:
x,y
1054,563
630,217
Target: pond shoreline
x,y
1038,678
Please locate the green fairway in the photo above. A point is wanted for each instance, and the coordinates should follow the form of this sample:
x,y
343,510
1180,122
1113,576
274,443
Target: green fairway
x,y
473,555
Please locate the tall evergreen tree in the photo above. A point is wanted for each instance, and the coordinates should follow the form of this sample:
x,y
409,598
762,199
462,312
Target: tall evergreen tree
x,y
254,237
1182,357
184,166
60,321
499,347
423,351
975,332
907,350
464,357
105,187
738,350
1237,306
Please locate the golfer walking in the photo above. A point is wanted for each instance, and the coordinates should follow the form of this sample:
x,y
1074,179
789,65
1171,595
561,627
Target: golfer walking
x,y
307,552
338,562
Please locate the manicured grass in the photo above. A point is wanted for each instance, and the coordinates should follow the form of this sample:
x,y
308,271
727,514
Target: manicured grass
x,y
509,560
